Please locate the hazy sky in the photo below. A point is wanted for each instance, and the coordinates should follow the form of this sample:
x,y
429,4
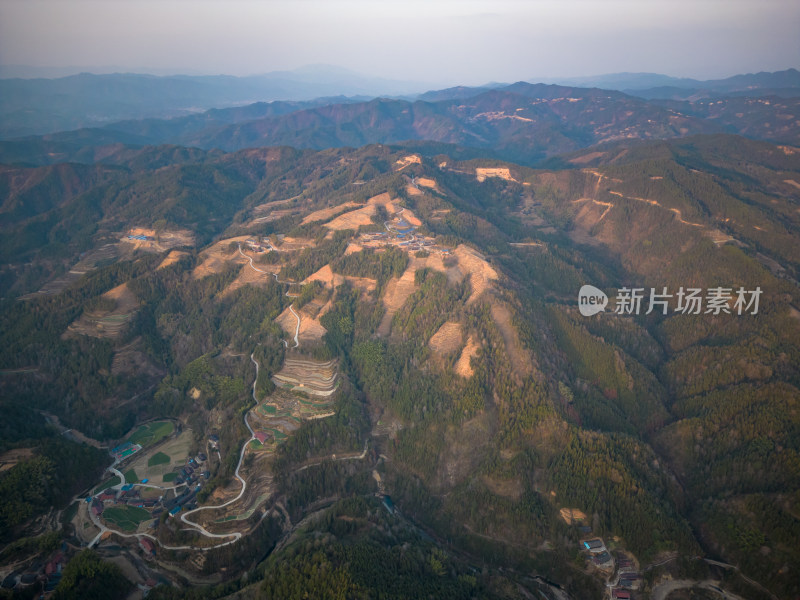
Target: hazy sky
x,y
440,41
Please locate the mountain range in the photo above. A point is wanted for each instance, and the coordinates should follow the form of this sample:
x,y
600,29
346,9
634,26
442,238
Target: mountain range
x,y
41,106
522,122
36,106
364,320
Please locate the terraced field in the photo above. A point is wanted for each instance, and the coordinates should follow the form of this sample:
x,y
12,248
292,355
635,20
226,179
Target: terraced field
x,y
104,254
307,375
283,412
107,323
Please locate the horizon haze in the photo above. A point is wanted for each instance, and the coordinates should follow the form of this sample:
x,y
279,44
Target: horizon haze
x,y
441,43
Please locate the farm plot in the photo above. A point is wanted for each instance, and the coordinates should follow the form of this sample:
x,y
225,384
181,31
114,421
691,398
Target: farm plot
x,y
246,514
267,410
272,211
426,182
159,466
126,518
151,433
311,330
159,458
384,200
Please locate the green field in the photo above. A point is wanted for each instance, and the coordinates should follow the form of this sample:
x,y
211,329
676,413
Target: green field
x,y
151,433
106,484
131,477
159,458
279,435
169,477
256,445
126,518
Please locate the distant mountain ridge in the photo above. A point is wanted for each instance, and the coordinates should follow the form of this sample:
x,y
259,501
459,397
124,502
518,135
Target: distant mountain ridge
x,y
40,106
521,122
643,81
653,85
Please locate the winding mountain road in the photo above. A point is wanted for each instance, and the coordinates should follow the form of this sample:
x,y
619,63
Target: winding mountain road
x,y
297,329
199,527
291,308
256,269
184,516
192,524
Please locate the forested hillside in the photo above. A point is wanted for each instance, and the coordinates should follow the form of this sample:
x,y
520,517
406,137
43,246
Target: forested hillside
x,y
436,307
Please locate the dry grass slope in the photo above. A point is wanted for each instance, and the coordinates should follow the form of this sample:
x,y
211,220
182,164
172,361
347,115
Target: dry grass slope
x,y
173,257
405,161
481,173
331,280
463,366
327,213
217,257
353,219
480,272
447,340
397,292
